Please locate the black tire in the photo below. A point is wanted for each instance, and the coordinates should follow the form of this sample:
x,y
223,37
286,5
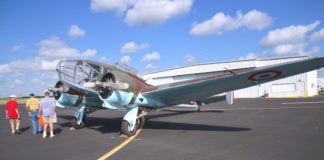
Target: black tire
x,y
125,129
77,126
125,126
140,122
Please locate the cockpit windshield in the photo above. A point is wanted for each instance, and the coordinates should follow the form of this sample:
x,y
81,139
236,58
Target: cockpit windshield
x,y
77,71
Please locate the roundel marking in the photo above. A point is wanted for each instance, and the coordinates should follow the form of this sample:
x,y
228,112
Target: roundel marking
x,y
265,75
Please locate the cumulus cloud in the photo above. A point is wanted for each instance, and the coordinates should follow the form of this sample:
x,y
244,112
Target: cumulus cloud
x,y
289,40
110,5
18,82
103,59
154,56
125,59
189,58
132,47
254,19
144,13
17,47
317,36
250,56
32,64
54,47
5,68
287,35
75,31
152,13
150,66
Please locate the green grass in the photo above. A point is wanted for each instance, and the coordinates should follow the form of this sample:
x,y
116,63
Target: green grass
x,y
19,100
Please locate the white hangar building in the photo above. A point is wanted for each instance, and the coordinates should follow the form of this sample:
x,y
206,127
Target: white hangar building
x,y
301,85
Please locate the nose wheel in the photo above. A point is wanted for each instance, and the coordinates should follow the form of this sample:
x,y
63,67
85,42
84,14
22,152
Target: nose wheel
x,y
127,129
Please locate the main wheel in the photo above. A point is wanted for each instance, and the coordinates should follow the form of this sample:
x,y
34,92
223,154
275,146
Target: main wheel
x,y
126,128
75,125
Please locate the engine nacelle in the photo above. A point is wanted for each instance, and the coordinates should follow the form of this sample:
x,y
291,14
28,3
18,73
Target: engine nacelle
x,y
117,99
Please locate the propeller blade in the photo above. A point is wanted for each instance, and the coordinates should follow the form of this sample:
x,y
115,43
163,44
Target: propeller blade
x,y
118,85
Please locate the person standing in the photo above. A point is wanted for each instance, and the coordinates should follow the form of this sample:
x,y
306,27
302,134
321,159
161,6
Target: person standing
x,y
32,106
12,114
47,110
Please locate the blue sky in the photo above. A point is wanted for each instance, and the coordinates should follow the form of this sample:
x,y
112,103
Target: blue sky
x,y
150,35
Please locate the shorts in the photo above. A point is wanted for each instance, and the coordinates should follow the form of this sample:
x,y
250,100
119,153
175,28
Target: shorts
x,y
50,119
13,121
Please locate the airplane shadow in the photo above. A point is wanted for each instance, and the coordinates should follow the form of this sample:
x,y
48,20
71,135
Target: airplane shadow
x,y
111,125
189,126
177,112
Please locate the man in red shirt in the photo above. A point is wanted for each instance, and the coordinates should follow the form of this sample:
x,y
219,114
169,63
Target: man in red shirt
x,y
12,114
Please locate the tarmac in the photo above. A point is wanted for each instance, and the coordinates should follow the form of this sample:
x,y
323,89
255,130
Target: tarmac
x,y
251,129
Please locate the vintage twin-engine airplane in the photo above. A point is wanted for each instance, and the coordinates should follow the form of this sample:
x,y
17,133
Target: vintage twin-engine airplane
x,y
91,86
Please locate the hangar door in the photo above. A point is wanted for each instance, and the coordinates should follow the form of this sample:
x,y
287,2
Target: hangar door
x,y
284,90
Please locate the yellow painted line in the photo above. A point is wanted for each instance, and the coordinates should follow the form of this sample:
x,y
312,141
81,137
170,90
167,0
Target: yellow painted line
x,y
303,102
116,149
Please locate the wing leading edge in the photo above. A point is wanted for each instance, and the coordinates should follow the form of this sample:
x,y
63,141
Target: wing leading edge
x,y
198,90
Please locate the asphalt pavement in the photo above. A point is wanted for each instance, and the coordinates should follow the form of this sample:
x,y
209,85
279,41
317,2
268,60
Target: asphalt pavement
x,y
260,129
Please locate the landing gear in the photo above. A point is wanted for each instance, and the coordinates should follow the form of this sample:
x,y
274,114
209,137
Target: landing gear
x,y
128,130
133,120
75,125
80,116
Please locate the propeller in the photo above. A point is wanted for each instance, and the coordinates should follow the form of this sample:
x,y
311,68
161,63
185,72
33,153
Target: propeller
x,y
116,85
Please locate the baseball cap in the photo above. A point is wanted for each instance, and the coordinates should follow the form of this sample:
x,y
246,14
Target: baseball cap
x,y
13,96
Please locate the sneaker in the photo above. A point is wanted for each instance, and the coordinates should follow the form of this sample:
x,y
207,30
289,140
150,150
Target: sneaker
x,y
13,132
44,136
52,135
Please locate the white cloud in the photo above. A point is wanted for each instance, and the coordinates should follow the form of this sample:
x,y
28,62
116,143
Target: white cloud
x,y
18,82
17,47
103,59
132,47
75,31
5,68
288,35
30,64
250,56
18,74
288,48
151,57
155,12
48,65
150,66
54,47
317,36
125,59
289,40
254,19
189,58
110,5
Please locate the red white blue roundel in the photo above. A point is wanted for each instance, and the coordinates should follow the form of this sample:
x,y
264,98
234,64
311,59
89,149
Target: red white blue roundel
x,y
265,75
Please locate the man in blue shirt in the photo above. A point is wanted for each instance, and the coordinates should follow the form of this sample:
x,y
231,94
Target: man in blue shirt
x,y
47,109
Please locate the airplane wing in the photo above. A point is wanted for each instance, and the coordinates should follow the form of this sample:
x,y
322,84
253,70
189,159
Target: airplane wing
x,y
199,89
